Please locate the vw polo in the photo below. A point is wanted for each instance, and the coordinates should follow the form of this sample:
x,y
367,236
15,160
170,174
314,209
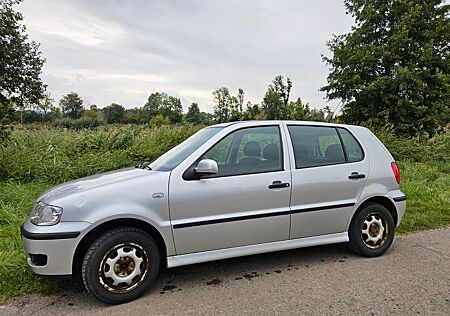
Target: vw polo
x,y
229,190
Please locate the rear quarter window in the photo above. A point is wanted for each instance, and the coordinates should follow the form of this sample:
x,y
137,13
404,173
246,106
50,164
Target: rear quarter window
x,y
353,149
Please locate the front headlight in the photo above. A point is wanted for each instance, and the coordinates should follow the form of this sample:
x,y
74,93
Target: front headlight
x,y
45,215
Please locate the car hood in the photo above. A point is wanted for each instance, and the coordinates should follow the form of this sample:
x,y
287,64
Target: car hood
x,y
95,182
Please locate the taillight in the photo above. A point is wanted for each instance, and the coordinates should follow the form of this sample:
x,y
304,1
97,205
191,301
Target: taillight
x,y
396,171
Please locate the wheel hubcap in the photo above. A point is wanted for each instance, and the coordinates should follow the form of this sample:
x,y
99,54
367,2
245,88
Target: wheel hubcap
x,y
123,267
374,231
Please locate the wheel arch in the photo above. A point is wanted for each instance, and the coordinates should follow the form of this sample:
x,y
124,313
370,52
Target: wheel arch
x,y
94,233
382,200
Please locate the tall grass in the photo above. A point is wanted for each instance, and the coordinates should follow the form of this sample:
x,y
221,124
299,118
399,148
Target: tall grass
x,y
54,155
36,158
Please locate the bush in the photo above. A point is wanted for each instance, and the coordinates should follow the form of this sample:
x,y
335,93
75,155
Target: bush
x,y
77,124
423,149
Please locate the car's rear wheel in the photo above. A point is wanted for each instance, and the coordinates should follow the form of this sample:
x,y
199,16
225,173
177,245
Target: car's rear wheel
x,y
371,231
120,265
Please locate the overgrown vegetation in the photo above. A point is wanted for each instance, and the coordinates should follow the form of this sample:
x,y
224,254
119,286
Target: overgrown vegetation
x,y
392,70
37,158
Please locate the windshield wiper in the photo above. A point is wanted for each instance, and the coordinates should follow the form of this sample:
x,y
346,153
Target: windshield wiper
x,y
144,165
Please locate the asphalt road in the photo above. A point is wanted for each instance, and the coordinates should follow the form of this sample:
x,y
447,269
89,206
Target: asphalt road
x,y
412,278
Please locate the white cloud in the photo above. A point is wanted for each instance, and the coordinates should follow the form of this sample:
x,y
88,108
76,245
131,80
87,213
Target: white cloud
x,y
121,52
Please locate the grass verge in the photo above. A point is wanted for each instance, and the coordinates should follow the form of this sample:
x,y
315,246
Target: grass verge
x,y
428,206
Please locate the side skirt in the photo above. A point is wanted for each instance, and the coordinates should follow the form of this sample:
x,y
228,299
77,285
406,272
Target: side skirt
x,y
192,258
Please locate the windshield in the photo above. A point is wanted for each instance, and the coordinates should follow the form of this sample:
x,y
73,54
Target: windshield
x,y
176,155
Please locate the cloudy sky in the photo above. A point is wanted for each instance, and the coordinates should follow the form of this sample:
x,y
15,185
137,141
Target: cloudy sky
x,y
121,51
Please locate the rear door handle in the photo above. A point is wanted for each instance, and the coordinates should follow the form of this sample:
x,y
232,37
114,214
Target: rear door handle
x,y
278,185
356,175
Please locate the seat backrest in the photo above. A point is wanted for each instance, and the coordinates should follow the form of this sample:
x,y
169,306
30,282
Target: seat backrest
x,y
334,153
271,152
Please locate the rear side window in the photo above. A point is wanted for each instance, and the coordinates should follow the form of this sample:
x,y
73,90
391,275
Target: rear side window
x,y
316,146
322,145
351,145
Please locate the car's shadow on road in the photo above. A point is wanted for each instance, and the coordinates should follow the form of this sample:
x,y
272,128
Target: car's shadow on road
x,y
228,270
248,267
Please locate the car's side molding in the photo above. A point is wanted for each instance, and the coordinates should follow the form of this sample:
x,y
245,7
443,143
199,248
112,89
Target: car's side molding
x,y
254,216
320,208
230,219
198,257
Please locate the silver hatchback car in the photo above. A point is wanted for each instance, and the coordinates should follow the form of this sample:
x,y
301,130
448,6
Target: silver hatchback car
x,y
230,190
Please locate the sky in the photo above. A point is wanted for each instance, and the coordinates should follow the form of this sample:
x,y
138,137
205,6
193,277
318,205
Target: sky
x,y
122,51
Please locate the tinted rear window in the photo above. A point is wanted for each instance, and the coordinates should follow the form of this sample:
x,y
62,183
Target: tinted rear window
x,y
316,146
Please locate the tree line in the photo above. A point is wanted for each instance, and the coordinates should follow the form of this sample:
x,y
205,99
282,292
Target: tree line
x,y
392,70
163,109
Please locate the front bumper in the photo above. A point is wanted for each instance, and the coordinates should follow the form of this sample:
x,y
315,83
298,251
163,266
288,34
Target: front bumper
x,y
50,249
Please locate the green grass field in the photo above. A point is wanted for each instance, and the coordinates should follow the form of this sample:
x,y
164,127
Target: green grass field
x,y
36,160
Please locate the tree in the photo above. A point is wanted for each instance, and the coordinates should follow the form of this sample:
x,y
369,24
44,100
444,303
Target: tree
x,y
131,116
46,103
20,63
114,113
193,114
159,120
240,98
160,103
72,105
222,104
252,112
152,106
393,68
171,107
275,103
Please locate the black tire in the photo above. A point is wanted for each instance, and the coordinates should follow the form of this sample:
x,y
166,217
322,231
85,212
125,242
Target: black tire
x,y
140,263
362,236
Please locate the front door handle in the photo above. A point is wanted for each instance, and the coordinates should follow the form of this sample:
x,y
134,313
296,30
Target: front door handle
x,y
278,185
356,175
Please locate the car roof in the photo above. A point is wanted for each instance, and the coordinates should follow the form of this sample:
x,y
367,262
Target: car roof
x,y
262,122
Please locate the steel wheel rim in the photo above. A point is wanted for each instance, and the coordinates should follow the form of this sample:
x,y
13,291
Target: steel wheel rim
x,y
374,231
123,267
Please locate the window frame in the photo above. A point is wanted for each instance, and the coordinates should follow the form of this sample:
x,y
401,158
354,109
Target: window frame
x,y
336,128
190,175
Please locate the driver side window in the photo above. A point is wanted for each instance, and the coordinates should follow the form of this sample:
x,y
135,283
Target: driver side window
x,y
247,151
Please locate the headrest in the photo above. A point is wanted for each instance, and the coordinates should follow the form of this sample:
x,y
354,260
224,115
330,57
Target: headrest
x,y
271,152
252,149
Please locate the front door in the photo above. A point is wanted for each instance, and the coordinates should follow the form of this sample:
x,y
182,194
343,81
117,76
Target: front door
x,y
328,176
246,203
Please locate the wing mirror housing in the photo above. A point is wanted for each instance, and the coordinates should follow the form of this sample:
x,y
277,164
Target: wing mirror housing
x,y
206,167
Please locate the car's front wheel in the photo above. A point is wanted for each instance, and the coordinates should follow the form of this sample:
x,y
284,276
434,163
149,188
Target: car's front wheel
x,y
120,265
371,231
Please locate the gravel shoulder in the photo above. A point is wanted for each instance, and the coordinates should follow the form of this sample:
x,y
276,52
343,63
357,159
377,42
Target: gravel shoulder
x,y
413,277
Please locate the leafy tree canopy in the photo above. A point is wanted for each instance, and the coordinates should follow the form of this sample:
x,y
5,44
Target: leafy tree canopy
x,y
275,103
20,60
393,68
72,105
114,113
159,103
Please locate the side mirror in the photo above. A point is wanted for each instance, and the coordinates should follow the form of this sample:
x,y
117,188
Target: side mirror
x,y
206,167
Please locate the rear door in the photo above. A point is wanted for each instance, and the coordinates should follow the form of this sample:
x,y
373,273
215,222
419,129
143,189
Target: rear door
x,y
328,175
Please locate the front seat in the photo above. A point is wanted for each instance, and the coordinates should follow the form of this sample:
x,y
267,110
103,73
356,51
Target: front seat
x,y
252,152
271,154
